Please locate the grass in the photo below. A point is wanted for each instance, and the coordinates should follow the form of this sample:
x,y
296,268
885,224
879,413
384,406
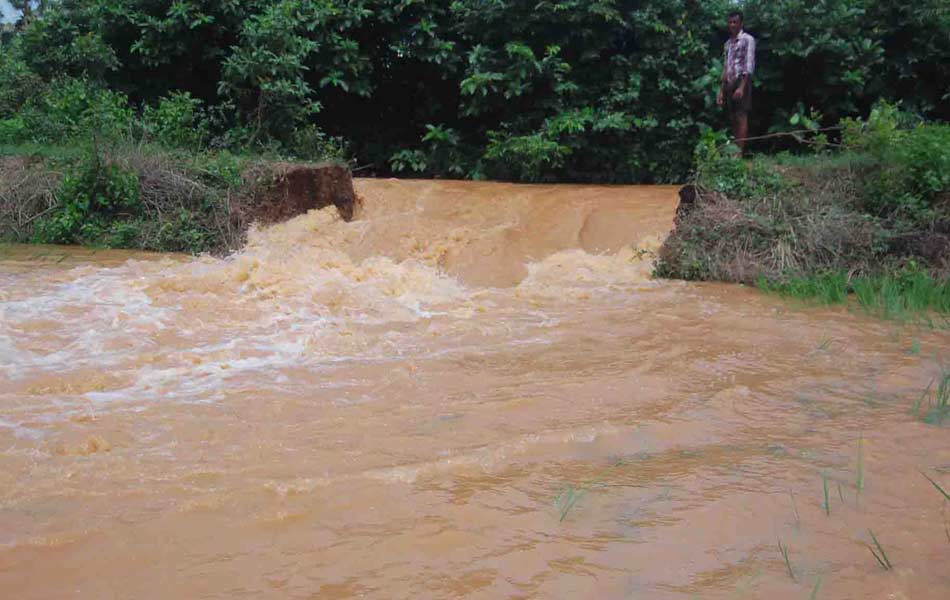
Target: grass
x,y
879,554
901,295
788,565
859,483
566,500
915,409
898,295
825,288
814,590
798,518
827,503
938,403
914,349
937,486
946,497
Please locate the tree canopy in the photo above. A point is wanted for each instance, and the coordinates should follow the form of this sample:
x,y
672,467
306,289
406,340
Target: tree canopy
x,y
540,90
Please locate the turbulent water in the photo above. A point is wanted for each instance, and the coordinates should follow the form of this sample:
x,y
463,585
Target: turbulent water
x,y
472,390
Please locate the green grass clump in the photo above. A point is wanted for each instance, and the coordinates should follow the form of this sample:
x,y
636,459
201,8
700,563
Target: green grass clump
x,y
824,288
938,402
899,294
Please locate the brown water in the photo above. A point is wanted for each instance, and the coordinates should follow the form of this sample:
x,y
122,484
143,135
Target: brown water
x,y
389,408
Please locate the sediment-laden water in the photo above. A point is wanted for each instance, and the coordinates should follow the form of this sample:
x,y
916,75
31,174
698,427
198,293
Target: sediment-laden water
x,y
472,390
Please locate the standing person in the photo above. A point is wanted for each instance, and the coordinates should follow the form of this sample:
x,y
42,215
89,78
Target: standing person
x,y
736,88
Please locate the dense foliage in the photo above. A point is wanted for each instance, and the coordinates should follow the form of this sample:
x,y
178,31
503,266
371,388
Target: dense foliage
x,y
589,90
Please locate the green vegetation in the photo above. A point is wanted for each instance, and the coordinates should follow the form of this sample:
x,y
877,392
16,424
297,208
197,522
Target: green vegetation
x,y
79,166
606,90
566,500
938,487
869,220
814,590
561,90
859,482
783,549
824,488
939,402
879,553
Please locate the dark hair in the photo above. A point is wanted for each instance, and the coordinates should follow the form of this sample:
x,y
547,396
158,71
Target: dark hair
x,y
736,13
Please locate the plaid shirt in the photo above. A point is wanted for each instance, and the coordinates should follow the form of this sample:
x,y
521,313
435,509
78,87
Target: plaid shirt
x,y
740,56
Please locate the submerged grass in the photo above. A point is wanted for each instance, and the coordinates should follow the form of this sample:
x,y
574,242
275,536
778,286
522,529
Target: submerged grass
x,y
859,482
566,500
827,503
783,549
814,590
879,553
937,486
938,403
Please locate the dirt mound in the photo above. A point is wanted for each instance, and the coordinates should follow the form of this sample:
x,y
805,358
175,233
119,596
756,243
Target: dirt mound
x,y
280,191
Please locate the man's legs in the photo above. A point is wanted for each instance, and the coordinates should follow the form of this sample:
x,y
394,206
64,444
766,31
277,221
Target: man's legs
x,y
740,129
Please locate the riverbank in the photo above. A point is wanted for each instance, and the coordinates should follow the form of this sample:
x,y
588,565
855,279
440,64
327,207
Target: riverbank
x,y
145,197
869,219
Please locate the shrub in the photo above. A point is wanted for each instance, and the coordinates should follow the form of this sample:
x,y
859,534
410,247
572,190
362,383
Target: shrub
x,y
75,109
90,199
178,121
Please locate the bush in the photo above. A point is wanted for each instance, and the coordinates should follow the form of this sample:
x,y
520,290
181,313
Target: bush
x,y
92,198
911,171
178,121
76,110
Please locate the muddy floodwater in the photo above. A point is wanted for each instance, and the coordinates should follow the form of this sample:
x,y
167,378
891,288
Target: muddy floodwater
x,y
473,390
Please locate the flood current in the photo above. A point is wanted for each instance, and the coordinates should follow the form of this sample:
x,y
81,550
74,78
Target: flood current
x,y
472,390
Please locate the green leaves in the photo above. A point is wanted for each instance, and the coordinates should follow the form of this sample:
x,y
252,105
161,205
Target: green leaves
x,y
626,86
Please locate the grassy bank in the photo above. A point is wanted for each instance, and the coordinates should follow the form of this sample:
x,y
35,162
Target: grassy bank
x,y
867,218
136,196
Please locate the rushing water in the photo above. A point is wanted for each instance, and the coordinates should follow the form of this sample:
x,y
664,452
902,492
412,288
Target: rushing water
x,y
472,390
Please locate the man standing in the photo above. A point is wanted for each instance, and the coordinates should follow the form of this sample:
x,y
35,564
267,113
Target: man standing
x,y
736,88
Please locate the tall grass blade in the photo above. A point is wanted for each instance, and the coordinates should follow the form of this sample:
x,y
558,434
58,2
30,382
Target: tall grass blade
x,y
566,500
814,590
798,518
824,485
788,565
936,485
915,409
860,482
880,555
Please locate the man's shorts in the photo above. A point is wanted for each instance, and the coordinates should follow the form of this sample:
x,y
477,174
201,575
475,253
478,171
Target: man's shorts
x,y
740,107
